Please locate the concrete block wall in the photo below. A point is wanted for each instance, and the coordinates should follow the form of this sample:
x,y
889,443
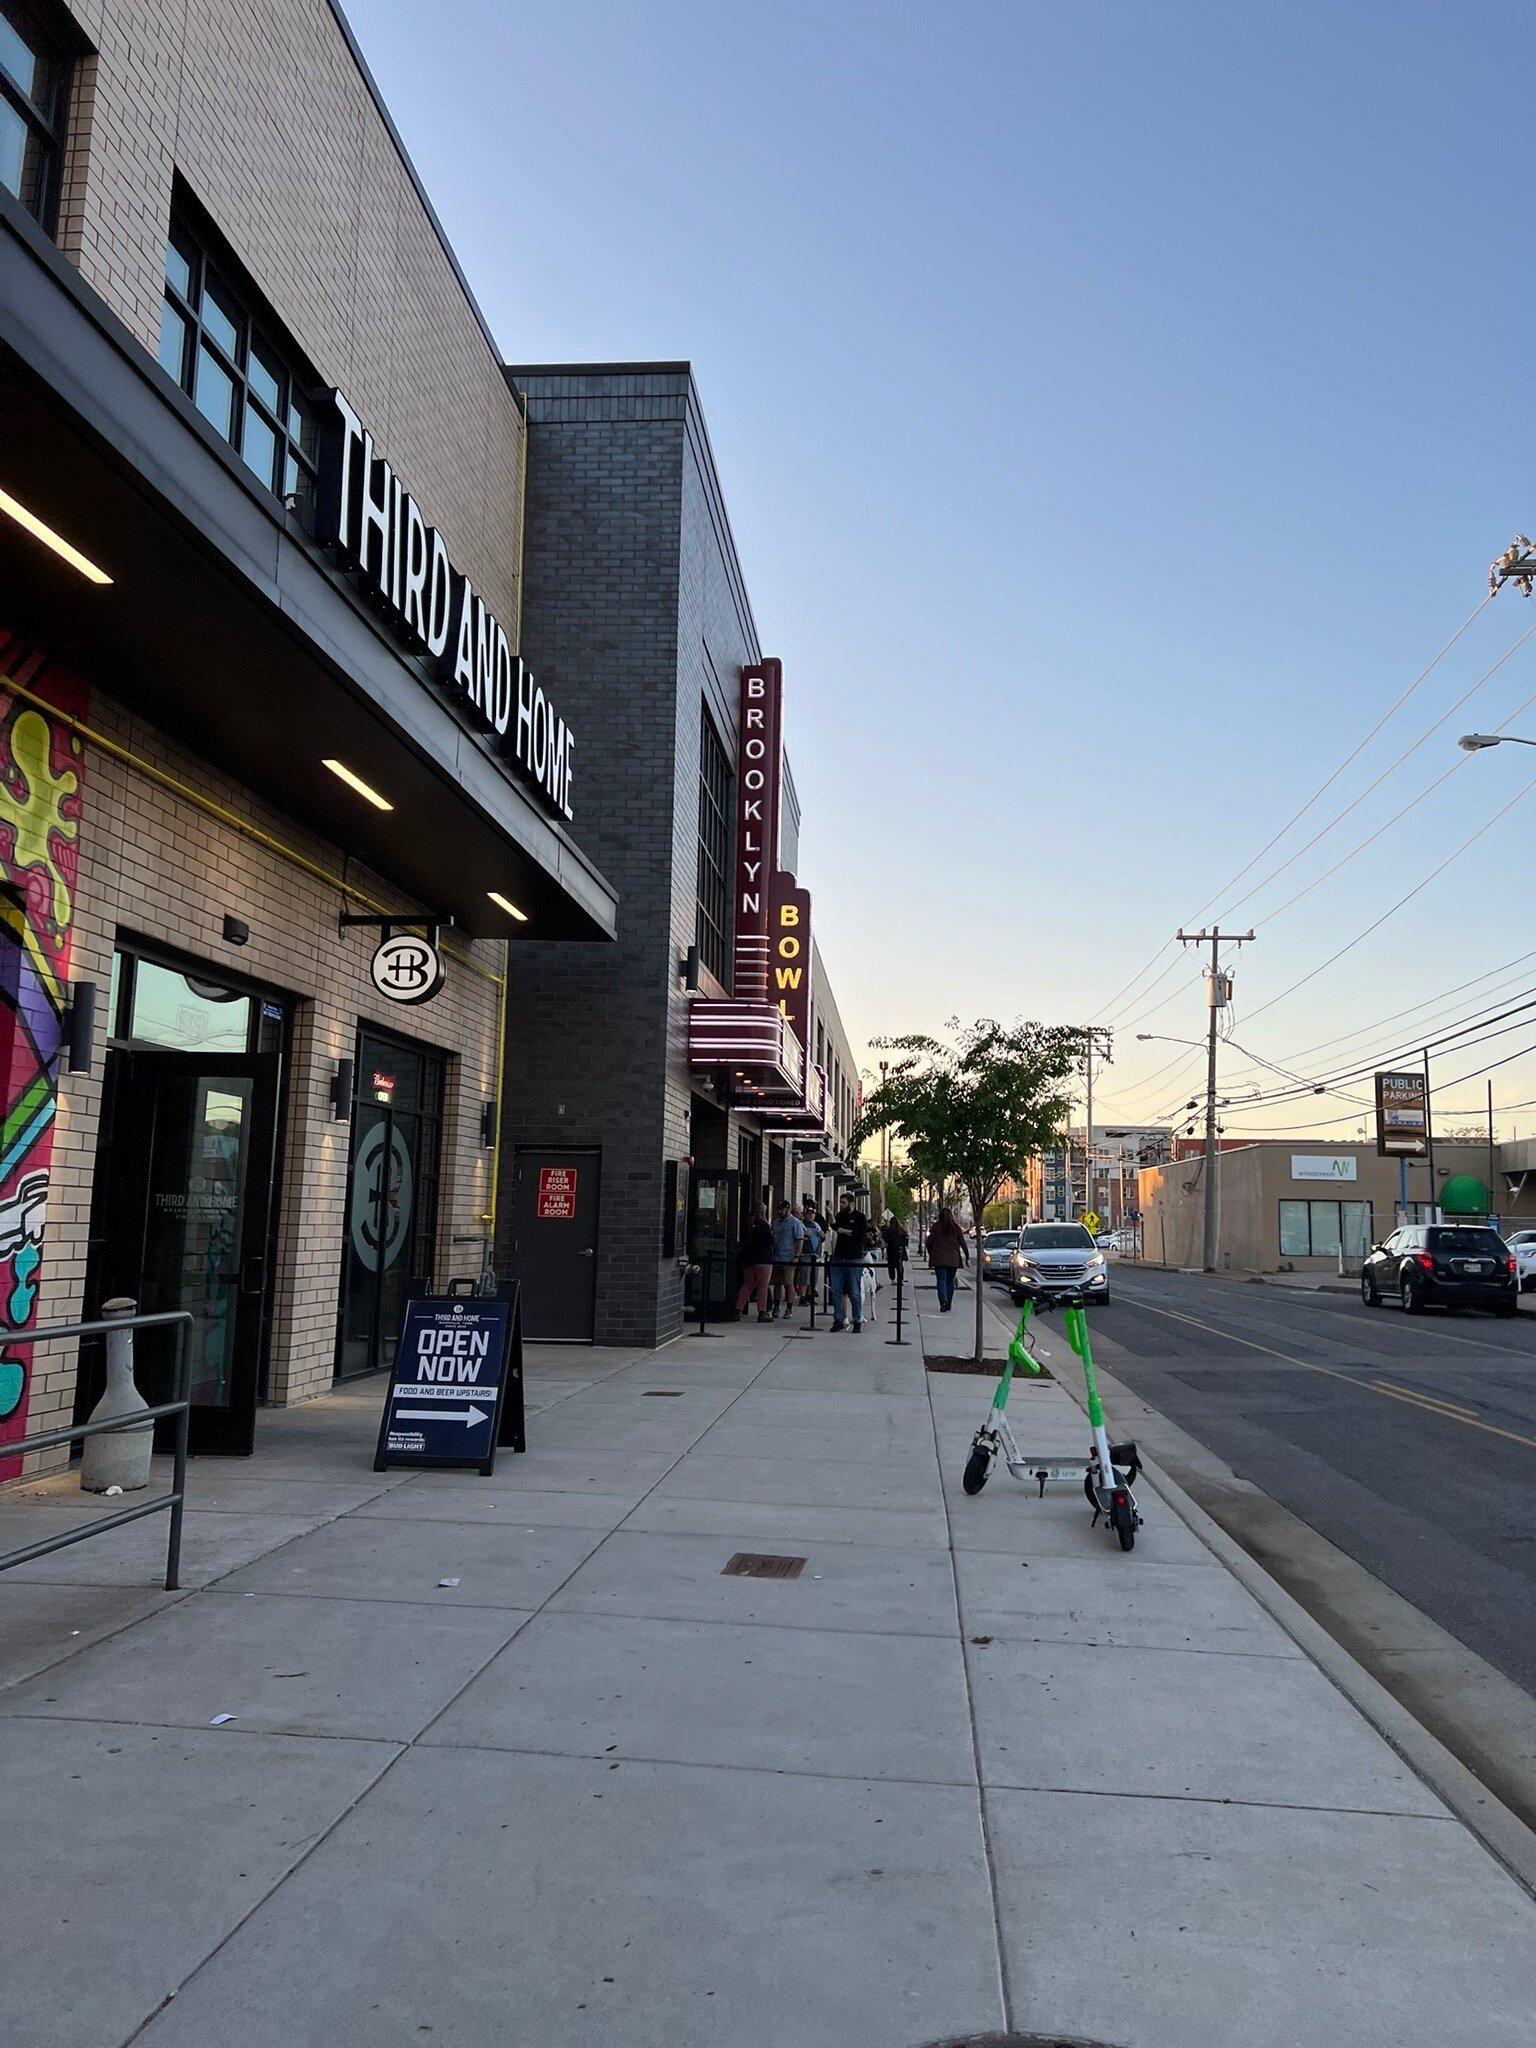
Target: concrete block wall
x,y
635,613
266,114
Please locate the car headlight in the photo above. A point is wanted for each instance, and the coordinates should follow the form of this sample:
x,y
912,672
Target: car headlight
x,y
1096,1260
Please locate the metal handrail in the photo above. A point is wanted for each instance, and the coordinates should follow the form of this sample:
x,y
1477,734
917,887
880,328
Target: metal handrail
x,y
144,1418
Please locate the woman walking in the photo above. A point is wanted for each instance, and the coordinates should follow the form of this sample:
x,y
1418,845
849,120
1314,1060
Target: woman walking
x,y
947,1253
756,1264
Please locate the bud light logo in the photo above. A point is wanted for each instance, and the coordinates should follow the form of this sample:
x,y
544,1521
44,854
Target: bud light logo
x,y
406,969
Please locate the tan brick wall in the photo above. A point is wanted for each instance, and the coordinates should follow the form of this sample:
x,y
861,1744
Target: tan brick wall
x,y
156,866
265,115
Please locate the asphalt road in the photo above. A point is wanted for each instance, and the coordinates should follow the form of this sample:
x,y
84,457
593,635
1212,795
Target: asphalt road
x,y
1409,1442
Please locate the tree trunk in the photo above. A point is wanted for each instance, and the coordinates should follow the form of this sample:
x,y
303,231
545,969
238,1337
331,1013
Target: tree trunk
x,y
977,1208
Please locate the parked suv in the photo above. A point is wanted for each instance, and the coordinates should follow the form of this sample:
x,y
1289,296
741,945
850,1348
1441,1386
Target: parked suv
x,y
996,1248
1054,1261
1458,1265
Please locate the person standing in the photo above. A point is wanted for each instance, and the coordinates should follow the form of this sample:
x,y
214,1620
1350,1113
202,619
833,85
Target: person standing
x,y
810,1250
894,1237
788,1237
756,1264
845,1272
947,1253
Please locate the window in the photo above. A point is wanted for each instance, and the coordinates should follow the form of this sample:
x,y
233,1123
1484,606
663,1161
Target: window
x,y
1321,1230
713,918
222,347
34,99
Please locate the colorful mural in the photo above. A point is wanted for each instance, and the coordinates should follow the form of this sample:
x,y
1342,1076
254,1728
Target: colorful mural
x,y
42,774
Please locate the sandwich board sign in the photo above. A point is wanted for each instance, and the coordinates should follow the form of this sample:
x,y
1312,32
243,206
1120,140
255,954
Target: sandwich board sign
x,y
456,1386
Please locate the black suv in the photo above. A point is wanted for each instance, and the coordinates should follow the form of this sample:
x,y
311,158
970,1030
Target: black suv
x,y
1459,1265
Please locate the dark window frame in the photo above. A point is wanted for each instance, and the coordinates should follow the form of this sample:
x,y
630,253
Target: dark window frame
x,y
292,424
712,922
1339,1203
49,124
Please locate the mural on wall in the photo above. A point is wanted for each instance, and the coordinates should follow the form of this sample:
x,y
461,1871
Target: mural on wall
x,y
42,774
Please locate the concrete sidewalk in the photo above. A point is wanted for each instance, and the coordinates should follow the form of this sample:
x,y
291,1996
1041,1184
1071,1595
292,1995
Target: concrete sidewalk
x,y
973,1769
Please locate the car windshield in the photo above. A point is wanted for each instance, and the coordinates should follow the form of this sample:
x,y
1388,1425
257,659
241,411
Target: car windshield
x,y
1474,1244
995,1240
1055,1237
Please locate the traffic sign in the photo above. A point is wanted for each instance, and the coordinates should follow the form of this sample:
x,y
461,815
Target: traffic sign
x,y
1092,1222
456,1387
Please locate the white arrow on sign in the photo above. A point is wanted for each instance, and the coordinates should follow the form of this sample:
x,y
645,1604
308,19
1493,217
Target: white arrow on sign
x,y
469,1419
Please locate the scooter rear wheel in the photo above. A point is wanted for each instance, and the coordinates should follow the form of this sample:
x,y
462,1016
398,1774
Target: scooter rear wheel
x,y
978,1468
1123,1521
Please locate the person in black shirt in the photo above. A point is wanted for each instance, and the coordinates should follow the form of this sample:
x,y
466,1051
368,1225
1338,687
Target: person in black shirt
x,y
849,1242
756,1263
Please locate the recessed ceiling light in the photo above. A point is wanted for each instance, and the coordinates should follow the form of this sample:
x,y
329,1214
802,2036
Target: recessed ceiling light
x,y
365,790
511,909
45,533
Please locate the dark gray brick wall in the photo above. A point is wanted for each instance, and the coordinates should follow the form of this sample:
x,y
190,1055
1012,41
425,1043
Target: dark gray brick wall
x,y
636,615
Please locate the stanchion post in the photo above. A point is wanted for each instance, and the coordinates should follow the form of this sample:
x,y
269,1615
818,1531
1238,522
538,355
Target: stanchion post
x,y
814,1283
179,1473
901,1269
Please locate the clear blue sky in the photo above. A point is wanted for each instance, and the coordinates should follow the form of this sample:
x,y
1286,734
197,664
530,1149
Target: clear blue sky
x,y
1117,406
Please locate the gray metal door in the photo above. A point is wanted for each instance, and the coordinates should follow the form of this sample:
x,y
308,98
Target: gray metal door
x,y
554,1245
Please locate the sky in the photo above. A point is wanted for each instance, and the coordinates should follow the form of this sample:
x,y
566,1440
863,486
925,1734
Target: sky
x,y
1118,407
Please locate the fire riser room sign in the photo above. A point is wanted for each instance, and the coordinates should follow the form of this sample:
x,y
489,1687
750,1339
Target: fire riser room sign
x,y
456,1387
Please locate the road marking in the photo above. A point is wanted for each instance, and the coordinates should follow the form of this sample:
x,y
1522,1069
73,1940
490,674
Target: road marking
x,y
1296,1297
1428,1400
1330,1372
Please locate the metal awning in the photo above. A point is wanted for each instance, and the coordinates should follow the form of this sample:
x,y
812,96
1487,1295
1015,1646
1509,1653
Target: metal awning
x,y
755,1044
226,628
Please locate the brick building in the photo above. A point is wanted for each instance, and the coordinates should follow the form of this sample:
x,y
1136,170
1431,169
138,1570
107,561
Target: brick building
x,y
635,597
261,542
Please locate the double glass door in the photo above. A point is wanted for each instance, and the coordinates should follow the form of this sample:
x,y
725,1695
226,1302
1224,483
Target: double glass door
x,y
391,1216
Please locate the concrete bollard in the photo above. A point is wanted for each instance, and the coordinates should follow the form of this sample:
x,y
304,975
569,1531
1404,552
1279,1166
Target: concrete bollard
x,y
118,1457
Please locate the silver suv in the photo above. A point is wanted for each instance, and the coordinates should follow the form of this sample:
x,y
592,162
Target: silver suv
x,y
1054,1260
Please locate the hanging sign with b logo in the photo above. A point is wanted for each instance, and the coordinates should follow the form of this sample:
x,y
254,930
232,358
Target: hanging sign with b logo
x,y
406,968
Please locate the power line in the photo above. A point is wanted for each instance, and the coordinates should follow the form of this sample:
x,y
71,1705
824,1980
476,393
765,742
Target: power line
x,y
1322,787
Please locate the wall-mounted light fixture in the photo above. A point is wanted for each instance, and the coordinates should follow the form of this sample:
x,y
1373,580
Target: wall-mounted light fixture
x,y
688,967
505,903
79,1037
488,1123
236,931
341,1090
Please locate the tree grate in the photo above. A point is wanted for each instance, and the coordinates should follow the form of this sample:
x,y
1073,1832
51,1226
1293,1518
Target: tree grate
x,y
760,1564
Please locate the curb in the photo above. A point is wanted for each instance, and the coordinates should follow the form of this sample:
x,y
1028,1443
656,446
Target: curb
x,y
1502,1833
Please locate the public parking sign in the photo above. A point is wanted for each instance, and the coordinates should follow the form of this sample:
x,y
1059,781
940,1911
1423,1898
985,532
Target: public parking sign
x,y
456,1387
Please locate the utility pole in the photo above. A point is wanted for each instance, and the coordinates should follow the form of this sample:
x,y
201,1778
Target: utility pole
x,y
1218,993
1096,1038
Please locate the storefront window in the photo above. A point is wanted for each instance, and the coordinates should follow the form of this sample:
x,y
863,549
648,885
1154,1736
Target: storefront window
x,y
1321,1230
34,81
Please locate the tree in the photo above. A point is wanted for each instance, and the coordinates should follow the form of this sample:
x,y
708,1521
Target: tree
x,y
976,1109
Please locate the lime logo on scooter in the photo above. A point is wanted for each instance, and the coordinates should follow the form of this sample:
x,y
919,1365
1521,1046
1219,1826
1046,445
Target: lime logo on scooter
x,y
1111,1470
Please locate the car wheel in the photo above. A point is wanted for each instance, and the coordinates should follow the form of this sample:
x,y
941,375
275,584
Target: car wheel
x,y
1370,1293
1412,1299
1018,1296
1508,1308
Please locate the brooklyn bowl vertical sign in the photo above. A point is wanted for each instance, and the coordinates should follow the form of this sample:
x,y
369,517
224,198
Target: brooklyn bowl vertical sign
x,y
757,825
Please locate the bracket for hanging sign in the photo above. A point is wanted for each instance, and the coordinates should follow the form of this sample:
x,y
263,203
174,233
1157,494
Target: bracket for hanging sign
x,y
399,921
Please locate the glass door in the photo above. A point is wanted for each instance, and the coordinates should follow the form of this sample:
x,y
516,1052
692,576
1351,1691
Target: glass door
x,y
184,1193
391,1216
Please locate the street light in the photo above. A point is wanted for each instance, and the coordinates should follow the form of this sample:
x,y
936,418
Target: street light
x,y
1474,742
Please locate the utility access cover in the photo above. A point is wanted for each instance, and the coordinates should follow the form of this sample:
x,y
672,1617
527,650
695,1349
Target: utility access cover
x,y
759,1564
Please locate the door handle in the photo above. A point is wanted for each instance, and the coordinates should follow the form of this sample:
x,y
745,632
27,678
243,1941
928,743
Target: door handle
x,y
589,1253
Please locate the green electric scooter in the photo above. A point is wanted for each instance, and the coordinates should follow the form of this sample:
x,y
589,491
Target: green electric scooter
x,y
1111,1470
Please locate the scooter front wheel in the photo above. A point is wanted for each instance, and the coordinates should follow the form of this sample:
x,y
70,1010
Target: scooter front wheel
x,y
978,1468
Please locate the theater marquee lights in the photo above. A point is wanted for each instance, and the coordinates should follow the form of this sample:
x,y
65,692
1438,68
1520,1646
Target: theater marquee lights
x,y
432,608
